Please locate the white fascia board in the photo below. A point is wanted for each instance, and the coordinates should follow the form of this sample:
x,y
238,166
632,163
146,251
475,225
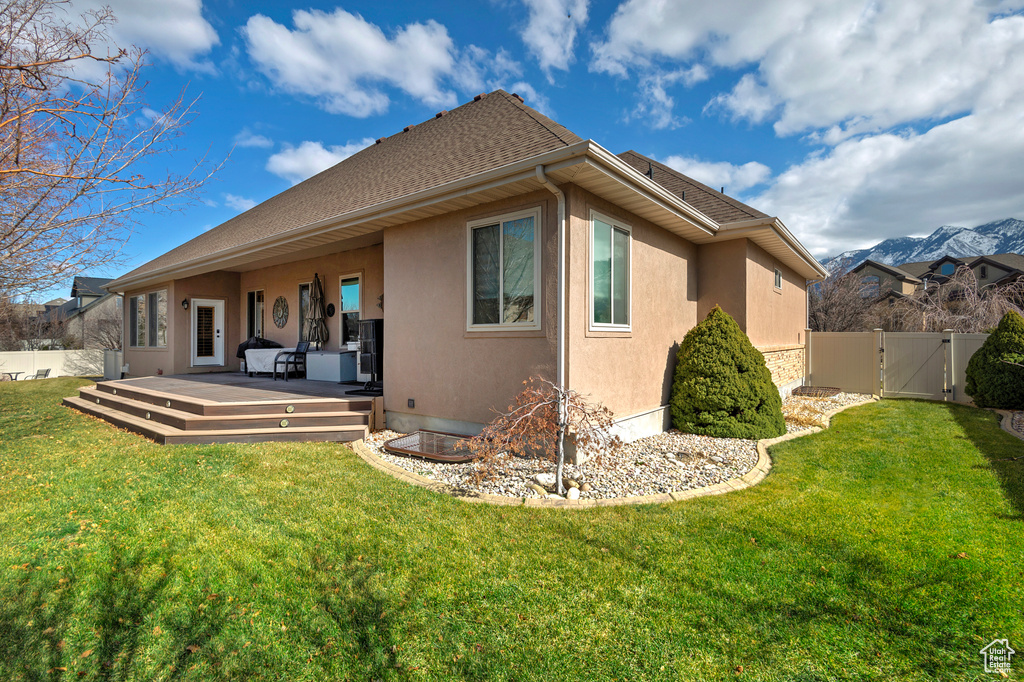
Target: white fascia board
x,y
743,228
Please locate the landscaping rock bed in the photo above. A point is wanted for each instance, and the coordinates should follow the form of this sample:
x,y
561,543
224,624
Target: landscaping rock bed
x,y
666,462
1017,419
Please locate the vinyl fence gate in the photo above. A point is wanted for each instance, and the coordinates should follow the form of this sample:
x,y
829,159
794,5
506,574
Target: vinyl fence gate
x,y
926,365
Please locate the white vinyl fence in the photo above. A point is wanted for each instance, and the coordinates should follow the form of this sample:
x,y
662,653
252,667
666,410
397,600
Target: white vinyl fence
x,y
893,364
79,363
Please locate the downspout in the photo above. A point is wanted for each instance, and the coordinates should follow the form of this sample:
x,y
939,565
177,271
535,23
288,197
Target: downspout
x,y
560,325
560,270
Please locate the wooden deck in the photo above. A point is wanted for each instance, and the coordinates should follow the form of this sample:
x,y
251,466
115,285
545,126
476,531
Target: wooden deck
x,y
230,408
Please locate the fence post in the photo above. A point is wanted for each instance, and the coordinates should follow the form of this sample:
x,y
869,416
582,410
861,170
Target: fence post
x,y
948,381
879,382
807,357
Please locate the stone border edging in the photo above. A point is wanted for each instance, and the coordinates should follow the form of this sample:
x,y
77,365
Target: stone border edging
x,y
748,480
1006,422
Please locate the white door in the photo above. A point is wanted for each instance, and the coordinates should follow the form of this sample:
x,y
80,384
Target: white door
x,y
207,332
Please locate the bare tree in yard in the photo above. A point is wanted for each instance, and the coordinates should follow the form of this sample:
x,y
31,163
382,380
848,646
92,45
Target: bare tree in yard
x,y
74,136
536,425
956,304
840,302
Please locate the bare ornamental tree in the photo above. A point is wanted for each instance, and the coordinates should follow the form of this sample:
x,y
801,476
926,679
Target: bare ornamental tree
x,y
841,302
537,424
958,304
75,136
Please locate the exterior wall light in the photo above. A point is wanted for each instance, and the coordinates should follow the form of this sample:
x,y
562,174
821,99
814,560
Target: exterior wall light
x,y
184,304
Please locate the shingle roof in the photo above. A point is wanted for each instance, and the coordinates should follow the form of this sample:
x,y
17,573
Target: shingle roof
x,y
487,133
898,272
1009,260
719,207
89,286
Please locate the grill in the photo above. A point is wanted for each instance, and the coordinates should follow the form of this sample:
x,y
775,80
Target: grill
x,y
441,447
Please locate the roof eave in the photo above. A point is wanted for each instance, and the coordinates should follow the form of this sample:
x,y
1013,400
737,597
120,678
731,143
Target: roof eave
x,y
774,227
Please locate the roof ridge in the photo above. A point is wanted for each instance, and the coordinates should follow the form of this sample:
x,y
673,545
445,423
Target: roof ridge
x,y
549,123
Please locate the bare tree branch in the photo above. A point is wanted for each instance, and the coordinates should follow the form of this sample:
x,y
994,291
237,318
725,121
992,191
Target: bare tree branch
x,y
73,146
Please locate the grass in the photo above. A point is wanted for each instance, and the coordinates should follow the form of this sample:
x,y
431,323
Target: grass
x,y
888,547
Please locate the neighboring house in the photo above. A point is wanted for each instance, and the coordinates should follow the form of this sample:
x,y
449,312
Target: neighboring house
x,y
451,232
91,319
880,280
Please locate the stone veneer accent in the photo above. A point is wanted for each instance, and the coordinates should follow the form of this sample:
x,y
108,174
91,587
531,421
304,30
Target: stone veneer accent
x,y
786,363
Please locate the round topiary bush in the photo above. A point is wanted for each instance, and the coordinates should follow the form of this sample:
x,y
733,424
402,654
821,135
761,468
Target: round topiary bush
x,y
993,380
722,386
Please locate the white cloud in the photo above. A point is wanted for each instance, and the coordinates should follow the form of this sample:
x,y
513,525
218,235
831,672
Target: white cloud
x,y
869,188
295,164
718,174
550,33
656,106
247,138
862,66
238,203
170,29
347,63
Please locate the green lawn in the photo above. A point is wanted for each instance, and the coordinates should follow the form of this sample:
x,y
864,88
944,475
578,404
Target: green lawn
x,y
122,559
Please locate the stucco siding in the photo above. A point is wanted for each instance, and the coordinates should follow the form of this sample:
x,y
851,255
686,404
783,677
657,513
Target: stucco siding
x,y
775,316
629,372
721,280
146,361
429,356
214,286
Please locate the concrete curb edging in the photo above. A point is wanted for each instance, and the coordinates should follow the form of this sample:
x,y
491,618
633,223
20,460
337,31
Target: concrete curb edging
x,y
1006,422
749,479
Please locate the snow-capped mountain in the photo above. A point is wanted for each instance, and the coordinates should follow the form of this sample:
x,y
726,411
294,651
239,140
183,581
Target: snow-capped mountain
x,y
1000,236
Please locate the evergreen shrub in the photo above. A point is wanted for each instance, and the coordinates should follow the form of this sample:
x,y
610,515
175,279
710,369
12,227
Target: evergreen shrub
x,y
992,379
722,386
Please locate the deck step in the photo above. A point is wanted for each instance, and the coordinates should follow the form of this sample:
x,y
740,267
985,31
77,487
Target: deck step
x,y
271,417
167,434
199,406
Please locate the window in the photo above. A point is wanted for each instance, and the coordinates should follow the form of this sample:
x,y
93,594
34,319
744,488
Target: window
x,y
504,272
147,320
947,269
983,272
350,308
778,278
304,290
255,314
609,273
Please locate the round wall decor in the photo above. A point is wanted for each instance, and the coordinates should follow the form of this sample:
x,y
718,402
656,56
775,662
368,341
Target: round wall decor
x,y
280,312
330,310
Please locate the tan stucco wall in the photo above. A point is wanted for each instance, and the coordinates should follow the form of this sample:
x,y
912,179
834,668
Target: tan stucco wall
x,y
993,273
428,354
721,281
775,317
886,282
629,372
284,280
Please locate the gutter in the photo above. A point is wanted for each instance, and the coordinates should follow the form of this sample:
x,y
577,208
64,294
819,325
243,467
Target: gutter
x,y
747,227
560,270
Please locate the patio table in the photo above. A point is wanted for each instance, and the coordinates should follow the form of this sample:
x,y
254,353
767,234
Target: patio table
x,y
262,359
14,375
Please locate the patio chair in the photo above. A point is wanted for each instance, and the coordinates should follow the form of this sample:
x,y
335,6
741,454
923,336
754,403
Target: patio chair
x,y
296,359
40,374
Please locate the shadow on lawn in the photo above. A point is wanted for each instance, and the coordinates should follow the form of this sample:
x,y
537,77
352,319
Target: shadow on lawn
x,y
54,626
999,448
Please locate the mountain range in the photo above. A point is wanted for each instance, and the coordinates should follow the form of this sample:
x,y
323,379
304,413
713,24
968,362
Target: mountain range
x,y
1000,236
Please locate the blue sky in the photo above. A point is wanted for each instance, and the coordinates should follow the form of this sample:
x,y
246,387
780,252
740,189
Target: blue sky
x,y
851,121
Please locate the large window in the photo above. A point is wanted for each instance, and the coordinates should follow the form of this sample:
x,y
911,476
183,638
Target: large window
x,y
609,273
304,290
147,320
350,308
255,314
504,272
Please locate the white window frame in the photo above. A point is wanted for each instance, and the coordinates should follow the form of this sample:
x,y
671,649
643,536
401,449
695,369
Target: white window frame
x,y
341,311
628,229
778,279
150,343
535,325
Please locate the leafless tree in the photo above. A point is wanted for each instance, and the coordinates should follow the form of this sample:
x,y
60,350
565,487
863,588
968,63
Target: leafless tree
x,y
75,134
107,332
536,425
957,304
840,302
